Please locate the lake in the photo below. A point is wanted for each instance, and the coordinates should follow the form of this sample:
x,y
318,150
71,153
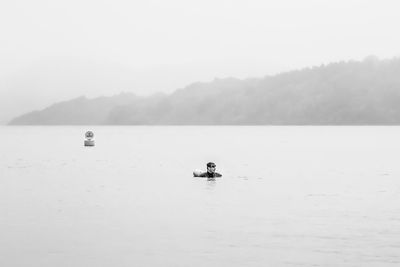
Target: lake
x,y
289,196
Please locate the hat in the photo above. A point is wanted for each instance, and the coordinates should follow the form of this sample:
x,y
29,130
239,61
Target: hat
x,y
211,164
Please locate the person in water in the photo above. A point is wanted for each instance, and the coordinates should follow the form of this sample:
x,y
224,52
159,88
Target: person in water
x,y
210,171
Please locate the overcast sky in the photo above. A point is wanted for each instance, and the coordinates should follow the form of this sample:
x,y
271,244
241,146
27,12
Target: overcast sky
x,y
56,50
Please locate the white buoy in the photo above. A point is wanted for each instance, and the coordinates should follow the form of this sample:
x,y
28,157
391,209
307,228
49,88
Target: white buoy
x,y
89,138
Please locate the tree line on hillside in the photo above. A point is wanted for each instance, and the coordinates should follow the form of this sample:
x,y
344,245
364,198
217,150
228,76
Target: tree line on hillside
x,y
342,93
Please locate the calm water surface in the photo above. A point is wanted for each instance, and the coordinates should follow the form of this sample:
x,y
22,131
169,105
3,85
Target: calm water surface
x,y
289,196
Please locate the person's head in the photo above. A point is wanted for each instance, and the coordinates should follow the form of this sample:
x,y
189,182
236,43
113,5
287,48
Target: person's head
x,y
211,167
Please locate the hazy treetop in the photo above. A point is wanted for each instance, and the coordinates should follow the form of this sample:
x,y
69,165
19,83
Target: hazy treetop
x,y
342,93
54,50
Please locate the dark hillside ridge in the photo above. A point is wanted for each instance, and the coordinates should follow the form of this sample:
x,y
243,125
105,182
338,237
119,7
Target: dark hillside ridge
x,y
345,93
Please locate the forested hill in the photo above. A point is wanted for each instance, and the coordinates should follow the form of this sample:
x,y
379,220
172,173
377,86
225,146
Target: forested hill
x,y
343,93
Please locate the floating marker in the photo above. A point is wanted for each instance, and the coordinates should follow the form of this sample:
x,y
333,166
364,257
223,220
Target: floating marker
x,y
89,138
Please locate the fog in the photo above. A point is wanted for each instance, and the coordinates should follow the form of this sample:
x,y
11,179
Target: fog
x,y
55,50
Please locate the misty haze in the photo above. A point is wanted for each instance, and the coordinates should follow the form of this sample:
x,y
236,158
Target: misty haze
x,y
218,133
52,51
343,93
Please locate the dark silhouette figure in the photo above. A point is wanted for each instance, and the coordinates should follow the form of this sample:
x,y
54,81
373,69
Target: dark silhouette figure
x,y
211,167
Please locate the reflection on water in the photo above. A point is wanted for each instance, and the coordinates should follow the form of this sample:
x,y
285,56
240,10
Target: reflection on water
x,y
211,183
